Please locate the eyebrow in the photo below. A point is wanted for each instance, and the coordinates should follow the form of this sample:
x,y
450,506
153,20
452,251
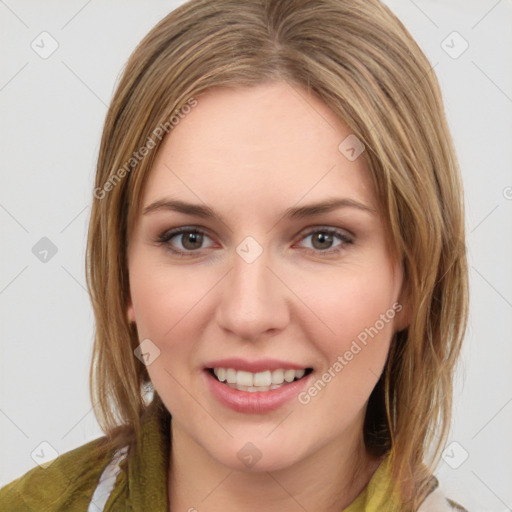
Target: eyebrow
x,y
294,212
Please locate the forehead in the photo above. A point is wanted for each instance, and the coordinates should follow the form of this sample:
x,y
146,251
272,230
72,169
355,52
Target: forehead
x,y
256,146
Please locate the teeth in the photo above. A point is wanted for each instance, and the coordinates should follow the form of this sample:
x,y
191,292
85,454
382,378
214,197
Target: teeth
x,y
277,376
220,373
244,378
289,375
231,375
299,373
260,381
251,389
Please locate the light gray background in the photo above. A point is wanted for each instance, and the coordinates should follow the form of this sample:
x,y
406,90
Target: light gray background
x,y
52,111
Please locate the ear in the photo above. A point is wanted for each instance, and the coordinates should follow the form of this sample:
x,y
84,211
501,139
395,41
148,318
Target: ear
x,y
130,313
402,308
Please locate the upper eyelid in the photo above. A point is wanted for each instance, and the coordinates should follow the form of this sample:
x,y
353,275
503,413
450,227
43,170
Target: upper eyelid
x,y
206,231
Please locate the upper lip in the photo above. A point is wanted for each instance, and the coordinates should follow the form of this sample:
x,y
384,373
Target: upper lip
x,y
255,366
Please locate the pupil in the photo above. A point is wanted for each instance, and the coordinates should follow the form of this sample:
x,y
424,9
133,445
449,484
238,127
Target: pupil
x,y
322,238
192,238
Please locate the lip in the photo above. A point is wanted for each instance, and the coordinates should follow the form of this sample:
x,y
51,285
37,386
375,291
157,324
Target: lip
x,y
254,366
258,402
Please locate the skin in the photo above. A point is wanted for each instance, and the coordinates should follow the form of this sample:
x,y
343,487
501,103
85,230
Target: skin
x,y
250,153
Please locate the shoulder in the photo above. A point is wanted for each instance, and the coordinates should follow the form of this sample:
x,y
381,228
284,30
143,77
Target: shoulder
x,y
66,484
436,500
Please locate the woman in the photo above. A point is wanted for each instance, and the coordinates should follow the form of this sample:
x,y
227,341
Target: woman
x,y
275,252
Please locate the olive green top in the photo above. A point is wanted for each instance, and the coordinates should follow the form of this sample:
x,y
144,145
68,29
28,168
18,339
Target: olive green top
x,y
115,481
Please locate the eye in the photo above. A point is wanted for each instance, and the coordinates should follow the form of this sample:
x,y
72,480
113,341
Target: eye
x,y
323,239
190,239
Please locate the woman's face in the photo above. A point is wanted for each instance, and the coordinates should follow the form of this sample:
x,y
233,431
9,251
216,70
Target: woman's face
x,y
255,291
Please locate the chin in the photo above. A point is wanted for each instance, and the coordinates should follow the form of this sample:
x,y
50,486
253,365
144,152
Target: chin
x,y
258,455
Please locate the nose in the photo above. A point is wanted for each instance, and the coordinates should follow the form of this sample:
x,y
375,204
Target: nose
x,y
254,300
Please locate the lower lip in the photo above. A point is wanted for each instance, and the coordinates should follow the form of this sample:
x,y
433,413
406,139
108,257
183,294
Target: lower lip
x,y
256,402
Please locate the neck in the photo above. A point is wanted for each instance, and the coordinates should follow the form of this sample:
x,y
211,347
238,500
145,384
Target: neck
x,y
328,480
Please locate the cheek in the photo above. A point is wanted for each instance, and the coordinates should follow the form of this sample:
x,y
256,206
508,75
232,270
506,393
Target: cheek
x,y
354,328
167,307
346,302
163,296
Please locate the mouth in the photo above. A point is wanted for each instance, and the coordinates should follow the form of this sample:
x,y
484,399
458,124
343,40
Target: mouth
x,y
262,381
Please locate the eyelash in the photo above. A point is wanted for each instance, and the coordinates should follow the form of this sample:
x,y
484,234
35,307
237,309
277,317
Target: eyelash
x,y
167,236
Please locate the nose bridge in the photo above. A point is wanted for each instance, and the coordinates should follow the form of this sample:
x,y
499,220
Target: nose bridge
x,y
253,300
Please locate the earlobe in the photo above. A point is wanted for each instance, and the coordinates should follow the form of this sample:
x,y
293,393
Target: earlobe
x,y
402,318
130,314
402,308
403,315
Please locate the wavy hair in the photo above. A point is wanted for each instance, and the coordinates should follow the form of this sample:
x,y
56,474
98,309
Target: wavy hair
x,y
358,58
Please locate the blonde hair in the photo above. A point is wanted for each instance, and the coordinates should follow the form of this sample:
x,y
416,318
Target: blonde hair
x,y
358,58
